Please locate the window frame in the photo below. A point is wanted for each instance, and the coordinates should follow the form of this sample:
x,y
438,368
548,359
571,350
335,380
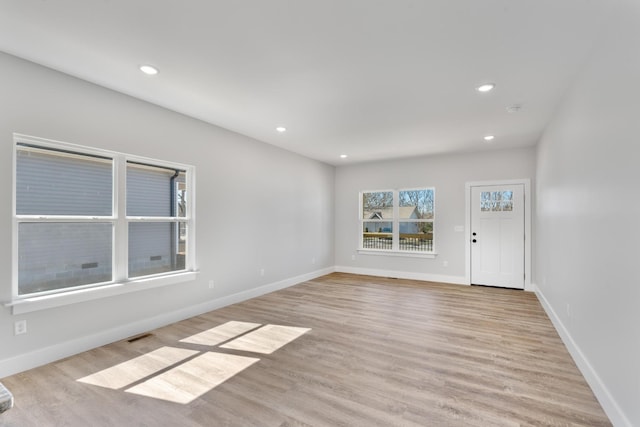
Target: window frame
x,y
120,282
395,225
177,219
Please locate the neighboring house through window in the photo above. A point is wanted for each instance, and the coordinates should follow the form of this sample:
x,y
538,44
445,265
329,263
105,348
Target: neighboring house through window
x,y
397,220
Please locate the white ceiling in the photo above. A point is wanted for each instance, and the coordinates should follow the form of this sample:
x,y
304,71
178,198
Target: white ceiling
x,y
374,79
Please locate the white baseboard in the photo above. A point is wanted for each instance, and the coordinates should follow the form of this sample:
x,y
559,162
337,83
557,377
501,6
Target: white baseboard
x,y
458,280
608,403
33,359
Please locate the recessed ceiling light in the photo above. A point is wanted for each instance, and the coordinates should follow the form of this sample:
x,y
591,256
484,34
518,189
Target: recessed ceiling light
x,y
281,129
343,156
485,87
489,138
149,70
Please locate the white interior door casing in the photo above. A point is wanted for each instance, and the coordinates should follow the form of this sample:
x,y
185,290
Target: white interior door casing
x,y
498,235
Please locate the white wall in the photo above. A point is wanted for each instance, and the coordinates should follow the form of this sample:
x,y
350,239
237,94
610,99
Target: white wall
x,y
588,170
448,174
258,207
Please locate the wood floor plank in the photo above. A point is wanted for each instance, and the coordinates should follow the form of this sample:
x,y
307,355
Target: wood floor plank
x,y
358,351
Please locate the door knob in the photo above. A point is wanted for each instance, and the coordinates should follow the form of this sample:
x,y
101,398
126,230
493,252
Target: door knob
x,y
474,240
474,233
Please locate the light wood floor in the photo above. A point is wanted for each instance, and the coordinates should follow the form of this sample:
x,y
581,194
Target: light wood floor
x,y
342,350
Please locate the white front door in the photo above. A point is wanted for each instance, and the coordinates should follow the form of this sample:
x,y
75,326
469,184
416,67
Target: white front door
x,y
497,235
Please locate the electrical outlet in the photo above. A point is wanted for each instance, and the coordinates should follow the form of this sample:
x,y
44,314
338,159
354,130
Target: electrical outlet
x,y
445,263
262,271
20,327
353,257
569,313
210,284
313,260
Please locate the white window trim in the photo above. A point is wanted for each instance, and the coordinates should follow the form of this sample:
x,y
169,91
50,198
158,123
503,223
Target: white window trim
x,y
121,284
395,251
43,302
405,254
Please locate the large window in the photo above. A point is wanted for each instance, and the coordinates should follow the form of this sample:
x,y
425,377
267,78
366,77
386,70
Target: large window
x,y
397,220
85,218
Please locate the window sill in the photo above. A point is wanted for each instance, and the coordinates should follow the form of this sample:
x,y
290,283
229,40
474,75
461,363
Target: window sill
x,y
31,304
397,253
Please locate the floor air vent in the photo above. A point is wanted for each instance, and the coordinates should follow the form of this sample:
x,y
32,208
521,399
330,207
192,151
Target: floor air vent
x,y
139,337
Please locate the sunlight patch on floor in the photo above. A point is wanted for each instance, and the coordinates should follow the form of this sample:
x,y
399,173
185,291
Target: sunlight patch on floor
x,y
220,334
193,378
141,367
267,339
181,375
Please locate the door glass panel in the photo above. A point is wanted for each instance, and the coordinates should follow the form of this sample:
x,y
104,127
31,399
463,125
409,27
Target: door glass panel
x,y
496,201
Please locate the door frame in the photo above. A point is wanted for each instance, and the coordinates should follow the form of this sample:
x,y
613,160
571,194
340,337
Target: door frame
x,y
526,182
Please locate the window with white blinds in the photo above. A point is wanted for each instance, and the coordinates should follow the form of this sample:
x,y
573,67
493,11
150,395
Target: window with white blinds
x,y
80,212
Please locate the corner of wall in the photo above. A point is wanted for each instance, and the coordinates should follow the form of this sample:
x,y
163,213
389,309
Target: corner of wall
x,y
602,393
